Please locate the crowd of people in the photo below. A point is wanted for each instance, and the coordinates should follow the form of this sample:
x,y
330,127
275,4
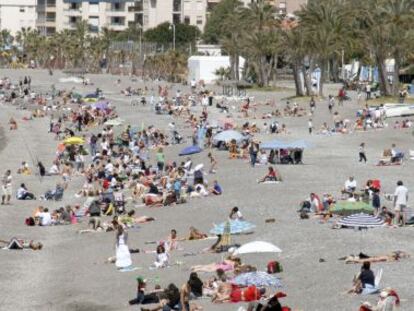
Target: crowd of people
x,y
124,167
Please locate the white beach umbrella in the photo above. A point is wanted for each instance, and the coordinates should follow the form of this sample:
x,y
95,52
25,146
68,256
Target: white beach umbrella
x,y
257,247
199,167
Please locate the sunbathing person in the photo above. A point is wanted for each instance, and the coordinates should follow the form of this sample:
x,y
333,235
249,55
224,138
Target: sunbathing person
x,y
237,294
362,258
169,300
227,265
195,234
130,219
19,244
272,304
272,175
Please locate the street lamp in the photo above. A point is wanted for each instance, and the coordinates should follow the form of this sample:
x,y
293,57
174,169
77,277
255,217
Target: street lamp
x,y
172,26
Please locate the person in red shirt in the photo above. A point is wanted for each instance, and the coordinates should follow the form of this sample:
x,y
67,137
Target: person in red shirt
x,y
272,175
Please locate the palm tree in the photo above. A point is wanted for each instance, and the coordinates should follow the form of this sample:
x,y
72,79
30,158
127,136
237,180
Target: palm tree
x,y
326,24
399,17
230,37
296,51
262,42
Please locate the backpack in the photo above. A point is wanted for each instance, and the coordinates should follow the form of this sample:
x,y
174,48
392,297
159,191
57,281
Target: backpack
x,y
274,267
30,221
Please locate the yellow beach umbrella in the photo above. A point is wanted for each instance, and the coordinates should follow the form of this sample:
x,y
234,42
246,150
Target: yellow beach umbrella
x,y
74,141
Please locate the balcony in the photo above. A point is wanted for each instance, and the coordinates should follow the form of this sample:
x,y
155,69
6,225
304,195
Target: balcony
x,y
116,27
116,13
51,9
45,23
73,12
137,7
70,25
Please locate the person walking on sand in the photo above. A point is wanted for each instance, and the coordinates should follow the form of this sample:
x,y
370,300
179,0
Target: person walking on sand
x,y
400,202
6,188
310,126
362,155
213,163
312,105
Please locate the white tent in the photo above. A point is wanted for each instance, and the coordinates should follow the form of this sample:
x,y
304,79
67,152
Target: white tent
x,y
204,67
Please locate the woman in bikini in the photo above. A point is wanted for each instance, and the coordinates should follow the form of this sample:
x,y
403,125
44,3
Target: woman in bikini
x,y
229,264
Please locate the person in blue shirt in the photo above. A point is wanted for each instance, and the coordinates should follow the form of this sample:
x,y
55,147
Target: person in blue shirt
x,y
177,189
217,190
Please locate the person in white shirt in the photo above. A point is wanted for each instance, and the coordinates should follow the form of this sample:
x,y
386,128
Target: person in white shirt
x,y
45,218
235,214
109,168
350,186
310,126
400,202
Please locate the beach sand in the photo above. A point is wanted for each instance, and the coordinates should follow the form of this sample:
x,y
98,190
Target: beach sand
x,y
70,273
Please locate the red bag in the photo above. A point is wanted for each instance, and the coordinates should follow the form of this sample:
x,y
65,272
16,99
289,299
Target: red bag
x,y
274,267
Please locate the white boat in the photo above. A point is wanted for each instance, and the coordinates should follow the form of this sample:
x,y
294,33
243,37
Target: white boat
x,y
398,110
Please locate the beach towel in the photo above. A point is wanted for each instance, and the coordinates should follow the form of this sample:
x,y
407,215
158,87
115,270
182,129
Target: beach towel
x,y
129,269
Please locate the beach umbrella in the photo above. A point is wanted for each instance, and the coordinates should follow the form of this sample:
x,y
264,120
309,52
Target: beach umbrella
x,y
258,279
101,105
300,144
346,208
257,247
228,136
273,144
91,95
74,141
361,220
114,122
199,167
190,150
236,226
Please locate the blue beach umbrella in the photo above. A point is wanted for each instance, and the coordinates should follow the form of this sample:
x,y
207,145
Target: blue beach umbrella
x,y
228,136
190,150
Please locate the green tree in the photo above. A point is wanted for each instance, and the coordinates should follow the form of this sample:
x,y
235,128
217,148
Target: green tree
x,y
163,34
326,25
262,43
217,20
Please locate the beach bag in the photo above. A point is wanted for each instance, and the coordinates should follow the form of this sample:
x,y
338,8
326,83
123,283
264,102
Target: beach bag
x,y
274,267
30,221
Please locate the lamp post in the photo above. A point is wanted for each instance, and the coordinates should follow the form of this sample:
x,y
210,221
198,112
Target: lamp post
x,y
173,29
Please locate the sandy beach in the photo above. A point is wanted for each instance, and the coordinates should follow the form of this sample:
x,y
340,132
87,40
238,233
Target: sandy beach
x,y
70,273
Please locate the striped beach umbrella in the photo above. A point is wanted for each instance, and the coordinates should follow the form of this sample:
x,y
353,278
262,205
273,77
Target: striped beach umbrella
x,y
258,279
361,220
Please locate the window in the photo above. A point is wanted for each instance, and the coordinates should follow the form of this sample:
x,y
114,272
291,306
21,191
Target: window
x,y
153,4
199,20
187,20
22,10
176,5
117,6
72,20
139,18
118,21
176,18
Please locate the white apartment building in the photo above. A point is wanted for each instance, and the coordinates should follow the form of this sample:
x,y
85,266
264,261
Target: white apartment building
x,y
117,15
16,14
